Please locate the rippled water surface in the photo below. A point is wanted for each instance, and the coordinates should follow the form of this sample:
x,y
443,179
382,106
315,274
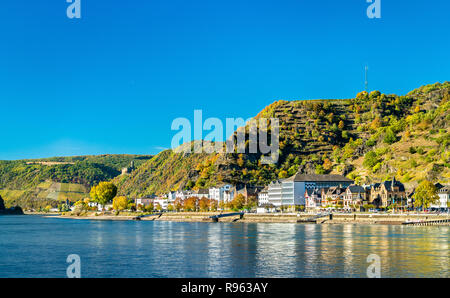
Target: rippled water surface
x,y
34,246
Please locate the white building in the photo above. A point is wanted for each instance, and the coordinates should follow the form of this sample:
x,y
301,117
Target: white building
x,y
145,201
164,203
171,196
202,193
100,207
291,191
263,197
228,195
184,194
444,197
221,193
281,193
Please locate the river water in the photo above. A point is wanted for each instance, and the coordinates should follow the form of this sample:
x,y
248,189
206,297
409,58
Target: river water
x,y
35,246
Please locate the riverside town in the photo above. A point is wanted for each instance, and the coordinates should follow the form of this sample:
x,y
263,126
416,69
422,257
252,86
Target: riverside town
x,y
207,142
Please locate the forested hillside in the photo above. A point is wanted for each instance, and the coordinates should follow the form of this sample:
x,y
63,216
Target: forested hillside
x,y
42,181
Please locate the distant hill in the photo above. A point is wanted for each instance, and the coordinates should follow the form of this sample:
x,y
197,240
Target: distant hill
x,y
368,138
40,182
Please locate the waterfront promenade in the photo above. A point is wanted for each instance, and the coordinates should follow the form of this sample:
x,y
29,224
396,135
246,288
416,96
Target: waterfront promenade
x,y
336,218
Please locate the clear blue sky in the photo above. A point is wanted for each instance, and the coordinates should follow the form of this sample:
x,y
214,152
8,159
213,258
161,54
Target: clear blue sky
x,y
113,81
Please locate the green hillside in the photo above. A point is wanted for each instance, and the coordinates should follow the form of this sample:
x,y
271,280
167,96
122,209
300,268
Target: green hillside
x,y
41,182
367,138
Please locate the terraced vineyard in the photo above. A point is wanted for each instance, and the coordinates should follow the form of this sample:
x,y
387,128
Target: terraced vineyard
x,y
408,135
42,182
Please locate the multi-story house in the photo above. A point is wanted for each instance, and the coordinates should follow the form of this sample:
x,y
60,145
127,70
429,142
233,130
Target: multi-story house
x,y
355,197
248,191
313,199
387,193
444,197
146,200
201,193
333,196
164,203
184,194
228,195
171,196
263,196
222,193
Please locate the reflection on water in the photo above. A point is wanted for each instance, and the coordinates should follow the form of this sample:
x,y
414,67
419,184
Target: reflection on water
x,y
33,246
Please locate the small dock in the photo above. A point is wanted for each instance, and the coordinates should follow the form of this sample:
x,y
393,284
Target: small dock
x,y
319,218
156,215
216,218
440,222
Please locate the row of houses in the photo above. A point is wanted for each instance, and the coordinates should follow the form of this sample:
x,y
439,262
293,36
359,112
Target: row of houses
x,y
222,193
336,191
309,190
292,191
354,197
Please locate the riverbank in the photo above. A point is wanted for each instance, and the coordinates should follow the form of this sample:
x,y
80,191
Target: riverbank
x,y
355,218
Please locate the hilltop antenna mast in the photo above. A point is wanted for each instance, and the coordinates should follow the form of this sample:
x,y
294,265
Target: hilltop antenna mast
x,y
366,80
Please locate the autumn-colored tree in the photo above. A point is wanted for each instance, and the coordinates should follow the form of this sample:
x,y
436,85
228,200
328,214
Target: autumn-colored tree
x,y
376,123
283,174
103,193
120,203
131,206
158,207
170,207
327,164
238,202
240,160
252,202
203,204
425,194
150,207
362,95
222,205
341,125
190,204
213,205
178,204
219,177
79,202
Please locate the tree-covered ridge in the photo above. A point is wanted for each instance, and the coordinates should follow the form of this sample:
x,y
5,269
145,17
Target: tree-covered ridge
x,y
114,161
368,138
39,182
86,170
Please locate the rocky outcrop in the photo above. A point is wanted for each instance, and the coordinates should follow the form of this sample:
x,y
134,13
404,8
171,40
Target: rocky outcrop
x,y
11,211
2,204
